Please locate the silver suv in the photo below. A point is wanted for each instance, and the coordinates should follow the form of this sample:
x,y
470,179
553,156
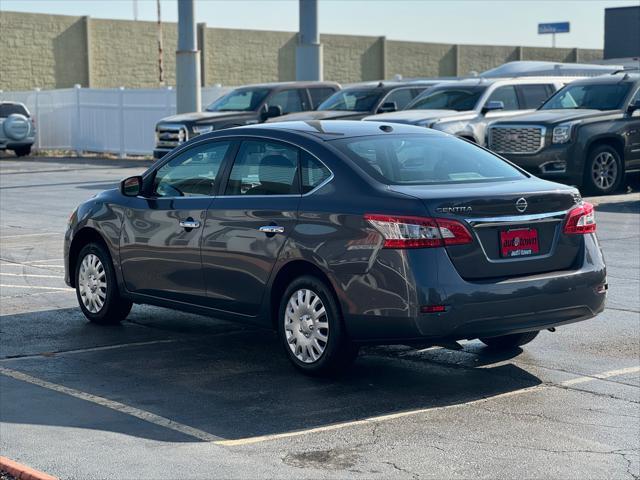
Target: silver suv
x,y
17,128
464,108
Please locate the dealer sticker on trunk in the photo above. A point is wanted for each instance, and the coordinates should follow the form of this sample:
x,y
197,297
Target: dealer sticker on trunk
x,y
518,243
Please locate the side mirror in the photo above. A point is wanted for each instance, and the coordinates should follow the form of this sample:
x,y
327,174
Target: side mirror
x,y
273,111
492,106
633,107
388,107
132,186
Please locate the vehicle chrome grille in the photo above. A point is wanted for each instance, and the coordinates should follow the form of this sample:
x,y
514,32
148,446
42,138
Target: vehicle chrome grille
x,y
171,135
509,139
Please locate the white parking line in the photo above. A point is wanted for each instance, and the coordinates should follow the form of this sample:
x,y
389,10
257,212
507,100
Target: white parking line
x,y
39,287
30,235
202,435
117,406
5,274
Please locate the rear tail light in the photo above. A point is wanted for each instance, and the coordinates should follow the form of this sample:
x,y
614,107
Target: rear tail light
x,y
581,220
418,232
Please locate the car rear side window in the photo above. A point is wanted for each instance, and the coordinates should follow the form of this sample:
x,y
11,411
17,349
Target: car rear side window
x,y
192,173
533,96
264,168
7,109
319,95
313,173
423,160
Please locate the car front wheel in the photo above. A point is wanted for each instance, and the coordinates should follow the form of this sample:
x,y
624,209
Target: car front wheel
x,y
509,342
311,328
96,287
604,171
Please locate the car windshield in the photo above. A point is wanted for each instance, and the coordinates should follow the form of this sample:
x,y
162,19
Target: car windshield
x,y
607,96
7,109
360,100
425,160
448,98
241,100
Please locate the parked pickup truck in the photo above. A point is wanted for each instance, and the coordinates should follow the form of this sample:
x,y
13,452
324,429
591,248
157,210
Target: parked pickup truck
x,y
358,101
17,128
587,134
242,106
464,108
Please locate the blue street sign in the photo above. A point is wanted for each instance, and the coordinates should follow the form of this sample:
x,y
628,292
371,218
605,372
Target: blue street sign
x,y
558,27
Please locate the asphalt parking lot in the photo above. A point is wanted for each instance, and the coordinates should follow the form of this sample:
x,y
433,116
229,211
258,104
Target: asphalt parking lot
x,y
173,395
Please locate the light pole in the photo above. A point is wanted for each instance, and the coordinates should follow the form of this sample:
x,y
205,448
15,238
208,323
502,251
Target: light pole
x,y
187,60
309,48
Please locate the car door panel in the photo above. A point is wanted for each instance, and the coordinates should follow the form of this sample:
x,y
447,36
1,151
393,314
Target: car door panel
x,y
161,232
237,253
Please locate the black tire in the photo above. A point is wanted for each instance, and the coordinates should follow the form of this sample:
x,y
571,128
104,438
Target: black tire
x,y
22,151
509,342
114,308
599,180
339,352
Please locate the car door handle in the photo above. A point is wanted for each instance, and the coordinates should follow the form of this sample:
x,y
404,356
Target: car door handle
x,y
189,223
271,229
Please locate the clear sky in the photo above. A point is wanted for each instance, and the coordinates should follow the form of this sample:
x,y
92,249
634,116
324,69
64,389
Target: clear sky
x,y
505,22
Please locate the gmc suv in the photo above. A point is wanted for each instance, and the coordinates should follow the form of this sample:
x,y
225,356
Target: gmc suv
x,y
587,134
242,106
464,108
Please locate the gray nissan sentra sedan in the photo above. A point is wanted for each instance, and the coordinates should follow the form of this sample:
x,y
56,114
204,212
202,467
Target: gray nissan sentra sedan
x,y
338,234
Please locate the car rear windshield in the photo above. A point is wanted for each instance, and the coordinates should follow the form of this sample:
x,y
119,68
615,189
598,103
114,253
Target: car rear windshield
x,y
425,159
607,96
7,109
448,98
362,100
241,100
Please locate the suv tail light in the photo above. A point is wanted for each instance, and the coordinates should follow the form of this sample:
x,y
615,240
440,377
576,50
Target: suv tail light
x,y
581,220
419,232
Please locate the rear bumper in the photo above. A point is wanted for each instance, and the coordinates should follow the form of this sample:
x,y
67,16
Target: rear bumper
x,y
477,309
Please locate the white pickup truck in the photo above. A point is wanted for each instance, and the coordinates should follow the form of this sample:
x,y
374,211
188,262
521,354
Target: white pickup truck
x,y
17,128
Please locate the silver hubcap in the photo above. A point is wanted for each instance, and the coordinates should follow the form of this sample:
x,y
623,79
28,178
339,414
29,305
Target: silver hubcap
x,y
92,283
306,325
605,170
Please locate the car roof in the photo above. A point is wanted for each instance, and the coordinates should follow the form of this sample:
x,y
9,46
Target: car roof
x,y
481,81
608,79
390,85
334,129
282,85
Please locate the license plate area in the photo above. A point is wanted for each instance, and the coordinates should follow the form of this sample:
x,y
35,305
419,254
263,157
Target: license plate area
x,y
519,242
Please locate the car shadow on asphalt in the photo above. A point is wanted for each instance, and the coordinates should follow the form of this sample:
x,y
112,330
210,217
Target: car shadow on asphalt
x,y
624,206
233,382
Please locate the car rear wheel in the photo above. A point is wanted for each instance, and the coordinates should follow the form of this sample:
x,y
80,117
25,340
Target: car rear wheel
x,y
22,151
508,342
311,328
96,287
604,171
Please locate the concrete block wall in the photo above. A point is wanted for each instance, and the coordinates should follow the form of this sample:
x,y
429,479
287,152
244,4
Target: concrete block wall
x,y
44,51
57,51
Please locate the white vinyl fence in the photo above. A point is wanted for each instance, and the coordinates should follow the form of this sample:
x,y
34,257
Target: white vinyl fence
x,y
115,120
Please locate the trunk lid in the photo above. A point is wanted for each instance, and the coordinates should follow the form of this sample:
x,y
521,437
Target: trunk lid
x,y
495,213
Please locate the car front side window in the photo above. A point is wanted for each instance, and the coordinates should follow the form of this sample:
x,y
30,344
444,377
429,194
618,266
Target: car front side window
x,y
264,168
192,173
506,95
288,100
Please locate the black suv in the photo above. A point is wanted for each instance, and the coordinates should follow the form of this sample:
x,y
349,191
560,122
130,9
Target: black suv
x,y
242,106
358,101
587,134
